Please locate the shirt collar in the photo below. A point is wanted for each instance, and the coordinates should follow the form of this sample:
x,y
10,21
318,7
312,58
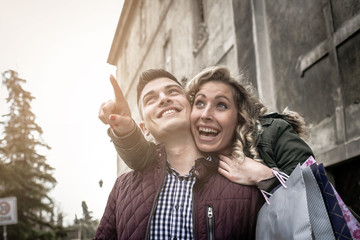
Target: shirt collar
x,y
173,171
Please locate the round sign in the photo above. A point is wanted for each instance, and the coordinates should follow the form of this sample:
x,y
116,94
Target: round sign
x,y
4,208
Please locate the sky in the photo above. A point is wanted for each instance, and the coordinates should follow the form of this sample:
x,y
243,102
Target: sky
x,y
60,48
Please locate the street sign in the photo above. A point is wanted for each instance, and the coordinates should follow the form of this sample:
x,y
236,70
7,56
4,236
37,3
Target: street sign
x,y
8,211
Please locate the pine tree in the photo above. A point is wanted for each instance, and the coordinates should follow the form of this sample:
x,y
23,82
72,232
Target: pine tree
x,y
87,225
24,172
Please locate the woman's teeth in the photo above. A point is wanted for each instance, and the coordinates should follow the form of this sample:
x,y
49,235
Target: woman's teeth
x,y
207,131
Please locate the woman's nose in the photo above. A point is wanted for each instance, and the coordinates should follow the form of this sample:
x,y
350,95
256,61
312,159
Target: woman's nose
x,y
206,114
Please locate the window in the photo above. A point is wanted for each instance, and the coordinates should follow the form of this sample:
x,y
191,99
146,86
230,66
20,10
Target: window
x,y
125,63
167,56
142,22
200,27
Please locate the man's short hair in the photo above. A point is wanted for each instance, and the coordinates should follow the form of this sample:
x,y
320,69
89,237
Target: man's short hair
x,y
150,75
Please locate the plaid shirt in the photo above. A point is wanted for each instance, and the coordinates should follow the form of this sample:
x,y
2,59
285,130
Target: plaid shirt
x,y
173,215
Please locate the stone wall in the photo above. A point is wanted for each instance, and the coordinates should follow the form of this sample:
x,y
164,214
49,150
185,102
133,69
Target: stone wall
x,y
304,55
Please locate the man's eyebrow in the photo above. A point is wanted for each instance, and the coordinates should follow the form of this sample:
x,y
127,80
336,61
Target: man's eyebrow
x,y
166,87
147,94
173,85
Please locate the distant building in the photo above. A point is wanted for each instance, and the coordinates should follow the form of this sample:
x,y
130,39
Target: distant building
x,y
301,54
73,233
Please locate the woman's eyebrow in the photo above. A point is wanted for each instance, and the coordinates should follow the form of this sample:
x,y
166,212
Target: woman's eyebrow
x,y
217,97
200,95
222,96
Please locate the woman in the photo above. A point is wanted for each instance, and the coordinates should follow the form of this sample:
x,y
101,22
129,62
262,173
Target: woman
x,y
273,139
229,120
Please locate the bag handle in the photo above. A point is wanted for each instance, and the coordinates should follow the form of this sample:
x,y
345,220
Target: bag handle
x,y
282,177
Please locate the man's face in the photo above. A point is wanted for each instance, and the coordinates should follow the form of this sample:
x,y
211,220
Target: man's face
x,y
165,108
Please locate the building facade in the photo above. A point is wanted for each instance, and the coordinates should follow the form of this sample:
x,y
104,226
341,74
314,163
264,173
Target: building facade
x,y
304,55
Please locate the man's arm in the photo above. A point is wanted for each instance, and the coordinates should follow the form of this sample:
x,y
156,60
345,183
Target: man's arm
x,y
134,149
128,140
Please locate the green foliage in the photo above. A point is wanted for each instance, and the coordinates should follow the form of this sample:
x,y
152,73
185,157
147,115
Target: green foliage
x,y
24,172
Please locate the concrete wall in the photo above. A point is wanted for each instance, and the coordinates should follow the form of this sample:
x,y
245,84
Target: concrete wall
x,y
270,41
327,92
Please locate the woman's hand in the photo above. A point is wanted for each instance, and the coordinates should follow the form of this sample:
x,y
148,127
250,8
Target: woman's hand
x,y
248,172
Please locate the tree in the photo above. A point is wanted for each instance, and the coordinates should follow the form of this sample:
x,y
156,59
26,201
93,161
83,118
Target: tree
x,y
24,172
86,225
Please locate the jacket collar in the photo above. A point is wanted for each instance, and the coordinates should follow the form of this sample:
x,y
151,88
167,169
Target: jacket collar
x,y
203,167
265,120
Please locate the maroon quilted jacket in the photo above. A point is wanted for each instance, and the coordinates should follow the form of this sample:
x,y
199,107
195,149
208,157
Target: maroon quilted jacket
x,y
133,199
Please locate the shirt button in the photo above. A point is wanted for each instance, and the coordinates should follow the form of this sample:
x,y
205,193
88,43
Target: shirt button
x,y
177,206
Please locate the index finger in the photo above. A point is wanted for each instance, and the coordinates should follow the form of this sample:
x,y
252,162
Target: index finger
x,y
119,96
225,159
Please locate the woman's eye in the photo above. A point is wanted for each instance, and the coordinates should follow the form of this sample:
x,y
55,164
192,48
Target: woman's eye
x,y
199,104
222,106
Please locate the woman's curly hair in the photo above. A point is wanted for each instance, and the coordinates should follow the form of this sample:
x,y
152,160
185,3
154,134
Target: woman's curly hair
x,y
248,106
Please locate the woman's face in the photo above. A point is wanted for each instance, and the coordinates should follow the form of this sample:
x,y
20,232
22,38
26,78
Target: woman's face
x,y
214,117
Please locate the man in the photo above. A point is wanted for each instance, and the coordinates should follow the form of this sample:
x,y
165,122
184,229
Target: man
x,y
180,195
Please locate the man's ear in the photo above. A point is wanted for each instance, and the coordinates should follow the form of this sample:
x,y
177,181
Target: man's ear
x,y
144,129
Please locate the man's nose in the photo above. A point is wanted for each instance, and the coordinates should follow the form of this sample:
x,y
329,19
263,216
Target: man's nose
x,y
164,98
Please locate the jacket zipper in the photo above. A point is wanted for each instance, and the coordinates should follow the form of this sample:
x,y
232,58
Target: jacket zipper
x,y
155,202
210,222
193,212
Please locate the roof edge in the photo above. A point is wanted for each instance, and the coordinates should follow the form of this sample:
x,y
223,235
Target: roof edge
x,y
126,13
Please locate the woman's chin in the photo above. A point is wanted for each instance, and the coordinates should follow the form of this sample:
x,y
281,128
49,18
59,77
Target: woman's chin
x,y
207,147
213,148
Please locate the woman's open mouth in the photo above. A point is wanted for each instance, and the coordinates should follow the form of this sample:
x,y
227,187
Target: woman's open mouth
x,y
207,133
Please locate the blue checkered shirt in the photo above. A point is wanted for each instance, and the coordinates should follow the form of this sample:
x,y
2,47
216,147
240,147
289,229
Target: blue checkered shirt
x,y
173,215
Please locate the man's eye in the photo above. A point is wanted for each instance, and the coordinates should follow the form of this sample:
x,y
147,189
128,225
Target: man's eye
x,y
149,100
173,91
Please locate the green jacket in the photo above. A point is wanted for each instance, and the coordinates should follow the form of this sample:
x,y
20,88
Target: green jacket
x,y
280,146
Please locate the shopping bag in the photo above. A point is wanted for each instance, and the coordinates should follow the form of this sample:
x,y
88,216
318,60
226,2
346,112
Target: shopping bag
x,y
338,222
295,211
351,222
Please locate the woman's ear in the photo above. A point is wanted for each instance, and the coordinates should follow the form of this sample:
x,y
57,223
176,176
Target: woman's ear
x,y
144,129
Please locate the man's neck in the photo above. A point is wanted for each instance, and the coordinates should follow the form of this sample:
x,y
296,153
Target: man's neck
x,y
181,152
